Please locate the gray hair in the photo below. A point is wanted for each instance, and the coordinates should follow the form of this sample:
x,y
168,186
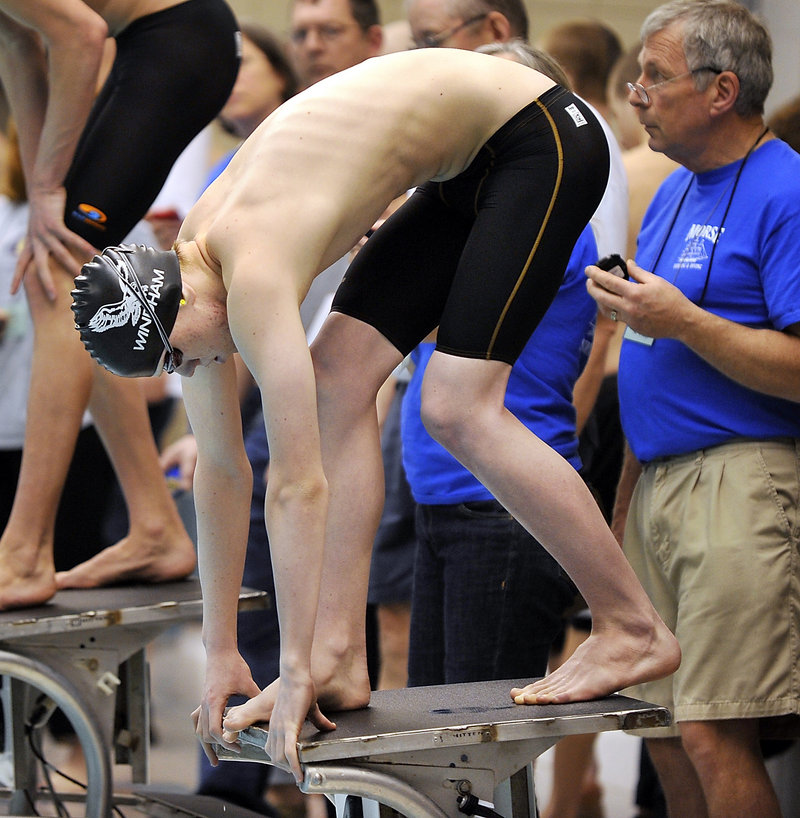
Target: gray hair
x,y
724,35
529,56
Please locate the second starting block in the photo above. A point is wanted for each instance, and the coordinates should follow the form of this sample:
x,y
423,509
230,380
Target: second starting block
x,y
79,652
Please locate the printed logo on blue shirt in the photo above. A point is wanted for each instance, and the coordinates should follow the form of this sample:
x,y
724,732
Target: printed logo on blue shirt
x,y
695,250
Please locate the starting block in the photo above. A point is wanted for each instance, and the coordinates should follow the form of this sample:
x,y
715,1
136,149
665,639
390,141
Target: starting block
x,y
79,652
443,751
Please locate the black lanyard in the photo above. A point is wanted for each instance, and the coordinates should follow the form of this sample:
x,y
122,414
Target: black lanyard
x,y
722,223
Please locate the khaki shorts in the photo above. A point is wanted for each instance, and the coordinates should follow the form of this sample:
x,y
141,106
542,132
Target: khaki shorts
x,y
713,537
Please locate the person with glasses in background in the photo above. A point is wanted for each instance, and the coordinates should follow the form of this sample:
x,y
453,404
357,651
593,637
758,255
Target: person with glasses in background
x,y
327,36
709,379
466,24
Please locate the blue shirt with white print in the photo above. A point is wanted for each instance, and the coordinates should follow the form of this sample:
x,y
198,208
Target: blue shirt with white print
x,y
672,401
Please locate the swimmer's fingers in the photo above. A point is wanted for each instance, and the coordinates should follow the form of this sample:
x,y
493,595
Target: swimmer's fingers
x,y
200,731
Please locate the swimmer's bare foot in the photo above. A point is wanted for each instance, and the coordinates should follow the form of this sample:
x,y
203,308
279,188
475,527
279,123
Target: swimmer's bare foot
x,y
344,691
155,556
341,684
608,661
258,710
254,711
27,575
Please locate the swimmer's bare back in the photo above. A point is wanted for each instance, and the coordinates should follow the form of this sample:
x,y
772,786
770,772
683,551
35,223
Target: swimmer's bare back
x,y
322,168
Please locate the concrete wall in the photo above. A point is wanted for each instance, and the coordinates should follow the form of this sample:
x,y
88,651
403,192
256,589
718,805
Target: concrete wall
x,y
783,21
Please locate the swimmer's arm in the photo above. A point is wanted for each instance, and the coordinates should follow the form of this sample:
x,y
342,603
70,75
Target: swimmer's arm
x,y
222,492
51,97
266,327
265,322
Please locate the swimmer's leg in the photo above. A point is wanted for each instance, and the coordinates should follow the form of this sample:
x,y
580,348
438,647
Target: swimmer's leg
x,y
352,360
462,405
59,390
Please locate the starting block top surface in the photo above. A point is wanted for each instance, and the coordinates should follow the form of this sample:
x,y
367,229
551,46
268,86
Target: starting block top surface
x,y
91,608
441,716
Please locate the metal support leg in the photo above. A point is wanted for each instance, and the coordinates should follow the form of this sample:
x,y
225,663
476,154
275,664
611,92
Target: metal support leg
x,y
19,765
515,797
132,742
61,691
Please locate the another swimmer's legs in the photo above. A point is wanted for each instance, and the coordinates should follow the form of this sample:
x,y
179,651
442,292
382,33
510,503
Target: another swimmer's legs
x,y
62,380
157,547
59,389
462,404
351,362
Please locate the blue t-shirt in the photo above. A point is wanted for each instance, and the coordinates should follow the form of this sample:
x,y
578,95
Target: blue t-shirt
x,y
539,390
671,400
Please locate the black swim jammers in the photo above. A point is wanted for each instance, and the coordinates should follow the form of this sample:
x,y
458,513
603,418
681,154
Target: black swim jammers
x,y
482,255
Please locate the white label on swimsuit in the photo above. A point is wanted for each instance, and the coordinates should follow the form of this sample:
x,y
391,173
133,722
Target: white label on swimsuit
x,y
576,115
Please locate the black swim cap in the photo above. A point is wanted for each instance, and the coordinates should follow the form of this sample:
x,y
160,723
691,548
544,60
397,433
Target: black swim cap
x,y
125,303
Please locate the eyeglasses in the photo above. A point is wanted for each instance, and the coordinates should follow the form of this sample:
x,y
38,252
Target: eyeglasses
x,y
435,40
643,92
327,33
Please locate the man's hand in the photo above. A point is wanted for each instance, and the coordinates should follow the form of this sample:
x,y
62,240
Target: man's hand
x,y
285,707
649,304
48,236
182,454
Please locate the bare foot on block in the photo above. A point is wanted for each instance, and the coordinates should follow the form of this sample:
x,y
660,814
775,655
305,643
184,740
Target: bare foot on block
x,y
27,576
605,663
163,557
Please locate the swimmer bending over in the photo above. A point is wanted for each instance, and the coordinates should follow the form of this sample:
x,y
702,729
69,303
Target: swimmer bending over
x,y
509,169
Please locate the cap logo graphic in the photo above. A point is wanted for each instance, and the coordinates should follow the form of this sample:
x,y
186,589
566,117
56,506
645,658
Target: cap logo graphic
x,y
129,308
135,291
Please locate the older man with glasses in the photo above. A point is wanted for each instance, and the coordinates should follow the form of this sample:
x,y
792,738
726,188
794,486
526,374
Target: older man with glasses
x,y
709,377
